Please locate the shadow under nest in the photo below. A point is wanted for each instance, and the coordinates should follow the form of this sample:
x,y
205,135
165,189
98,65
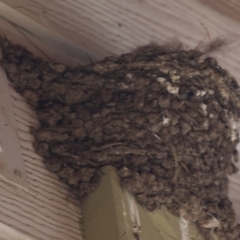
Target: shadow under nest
x,y
165,118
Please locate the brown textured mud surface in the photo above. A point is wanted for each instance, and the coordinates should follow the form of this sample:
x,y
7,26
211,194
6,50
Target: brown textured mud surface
x,y
165,118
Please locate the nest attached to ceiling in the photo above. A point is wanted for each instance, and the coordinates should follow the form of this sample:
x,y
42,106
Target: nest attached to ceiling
x,y
165,118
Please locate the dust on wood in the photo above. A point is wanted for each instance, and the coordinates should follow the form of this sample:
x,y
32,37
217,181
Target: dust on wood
x,y
166,118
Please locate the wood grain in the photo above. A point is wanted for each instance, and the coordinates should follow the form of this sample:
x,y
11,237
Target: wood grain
x,y
12,166
8,233
40,40
112,27
102,27
46,209
228,7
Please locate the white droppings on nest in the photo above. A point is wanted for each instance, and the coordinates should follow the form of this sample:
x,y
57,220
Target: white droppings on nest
x,y
206,125
123,85
211,223
175,77
202,59
134,214
209,72
166,121
129,76
200,93
165,69
210,91
234,132
225,94
234,135
190,73
161,79
172,89
57,67
157,127
211,115
238,148
184,226
204,108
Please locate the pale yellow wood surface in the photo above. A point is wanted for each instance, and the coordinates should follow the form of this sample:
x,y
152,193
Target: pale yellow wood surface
x,y
110,212
45,209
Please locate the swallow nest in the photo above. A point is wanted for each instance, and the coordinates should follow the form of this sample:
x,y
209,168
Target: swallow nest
x,y
166,119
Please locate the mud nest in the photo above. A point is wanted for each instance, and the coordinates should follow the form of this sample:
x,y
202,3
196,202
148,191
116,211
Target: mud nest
x,y
165,118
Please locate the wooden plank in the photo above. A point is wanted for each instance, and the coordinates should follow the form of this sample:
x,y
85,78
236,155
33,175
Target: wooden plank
x,y
8,233
103,213
40,40
228,7
110,212
113,27
45,209
11,160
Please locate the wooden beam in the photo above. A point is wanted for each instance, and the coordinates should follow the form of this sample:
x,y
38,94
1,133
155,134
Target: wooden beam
x,y
11,159
110,212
